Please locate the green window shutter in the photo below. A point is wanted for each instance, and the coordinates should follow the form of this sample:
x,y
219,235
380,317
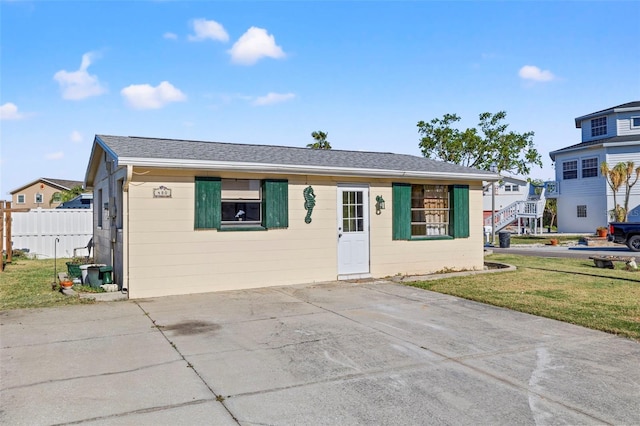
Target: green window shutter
x,y
459,211
208,211
401,212
275,203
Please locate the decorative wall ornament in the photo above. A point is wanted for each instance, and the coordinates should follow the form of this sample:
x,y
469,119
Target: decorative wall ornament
x,y
309,202
379,204
162,192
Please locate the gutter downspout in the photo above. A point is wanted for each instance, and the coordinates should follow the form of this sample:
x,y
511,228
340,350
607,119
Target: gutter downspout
x,y
125,229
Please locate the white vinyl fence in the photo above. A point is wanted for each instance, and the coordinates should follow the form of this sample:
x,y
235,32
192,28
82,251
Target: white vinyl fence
x,y
38,229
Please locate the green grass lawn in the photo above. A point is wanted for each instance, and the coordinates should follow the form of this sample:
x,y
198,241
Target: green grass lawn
x,y
570,290
26,283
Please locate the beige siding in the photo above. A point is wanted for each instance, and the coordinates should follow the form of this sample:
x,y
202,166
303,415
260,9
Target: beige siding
x,y
30,196
390,257
167,256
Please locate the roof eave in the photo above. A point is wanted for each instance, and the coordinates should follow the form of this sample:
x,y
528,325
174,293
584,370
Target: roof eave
x,y
299,169
48,182
579,120
553,154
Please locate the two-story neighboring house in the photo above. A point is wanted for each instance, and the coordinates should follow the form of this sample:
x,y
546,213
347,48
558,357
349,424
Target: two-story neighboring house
x,y
40,192
584,197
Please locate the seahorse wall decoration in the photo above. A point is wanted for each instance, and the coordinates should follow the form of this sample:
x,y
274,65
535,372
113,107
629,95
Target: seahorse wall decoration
x,y
309,202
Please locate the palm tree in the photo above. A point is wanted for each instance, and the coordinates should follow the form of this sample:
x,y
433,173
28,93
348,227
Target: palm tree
x,y
614,179
321,141
627,170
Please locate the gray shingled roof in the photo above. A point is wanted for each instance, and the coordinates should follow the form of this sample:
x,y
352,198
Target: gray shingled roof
x,y
630,139
634,104
628,105
129,149
63,184
68,184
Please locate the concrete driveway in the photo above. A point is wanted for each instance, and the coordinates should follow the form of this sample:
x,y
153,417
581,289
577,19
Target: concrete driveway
x,y
332,353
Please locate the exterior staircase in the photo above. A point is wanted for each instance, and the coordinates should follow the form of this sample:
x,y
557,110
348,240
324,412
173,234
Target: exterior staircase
x,y
531,208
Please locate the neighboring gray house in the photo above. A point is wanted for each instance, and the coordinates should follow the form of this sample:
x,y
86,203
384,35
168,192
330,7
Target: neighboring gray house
x,y
584,197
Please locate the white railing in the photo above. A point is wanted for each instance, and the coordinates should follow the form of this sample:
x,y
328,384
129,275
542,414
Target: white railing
x,y
37,230
533,209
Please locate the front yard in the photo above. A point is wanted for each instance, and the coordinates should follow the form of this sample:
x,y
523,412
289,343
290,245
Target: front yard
x,y
570,290
27,283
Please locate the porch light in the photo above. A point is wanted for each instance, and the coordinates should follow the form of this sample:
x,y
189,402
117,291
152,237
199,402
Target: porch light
x,y
379,204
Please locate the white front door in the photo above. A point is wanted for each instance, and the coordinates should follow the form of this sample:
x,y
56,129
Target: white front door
x,y
353,231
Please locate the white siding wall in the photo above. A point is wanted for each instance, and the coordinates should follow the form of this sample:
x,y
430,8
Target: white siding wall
x,y
586,128
624,124
164,255
581,191
568,220
616,155
504,198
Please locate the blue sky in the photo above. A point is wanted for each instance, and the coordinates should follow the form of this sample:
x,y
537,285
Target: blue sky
x,y
273,72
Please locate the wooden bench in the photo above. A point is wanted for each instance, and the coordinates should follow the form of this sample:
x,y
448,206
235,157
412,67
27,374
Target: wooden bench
x,y
607,261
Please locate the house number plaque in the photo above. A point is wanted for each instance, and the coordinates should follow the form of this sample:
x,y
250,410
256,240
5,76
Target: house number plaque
x,y
162,192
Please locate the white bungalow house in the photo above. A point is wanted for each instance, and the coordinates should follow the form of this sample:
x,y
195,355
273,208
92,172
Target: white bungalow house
x,y
584,197
179,217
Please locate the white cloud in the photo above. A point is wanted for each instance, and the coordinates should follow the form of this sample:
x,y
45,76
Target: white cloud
x,y
76,136
55,155
253,45
9,111
273,98
531,72
144,96
204,29
170,36
79,84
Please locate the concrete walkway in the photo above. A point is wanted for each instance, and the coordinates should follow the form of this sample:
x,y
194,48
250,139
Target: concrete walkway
x,y
332,353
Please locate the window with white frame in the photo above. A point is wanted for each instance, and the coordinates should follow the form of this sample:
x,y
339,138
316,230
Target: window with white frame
x,y
570,169
590,167
39,198
582,211
635,122
429,210
21,199
241,201
241,204
599,126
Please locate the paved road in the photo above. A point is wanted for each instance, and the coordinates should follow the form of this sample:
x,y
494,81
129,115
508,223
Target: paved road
x,y
577,251
324,354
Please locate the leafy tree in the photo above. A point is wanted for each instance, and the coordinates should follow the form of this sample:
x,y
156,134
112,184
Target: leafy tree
x,y
321,141
492,143
551,211
66,195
